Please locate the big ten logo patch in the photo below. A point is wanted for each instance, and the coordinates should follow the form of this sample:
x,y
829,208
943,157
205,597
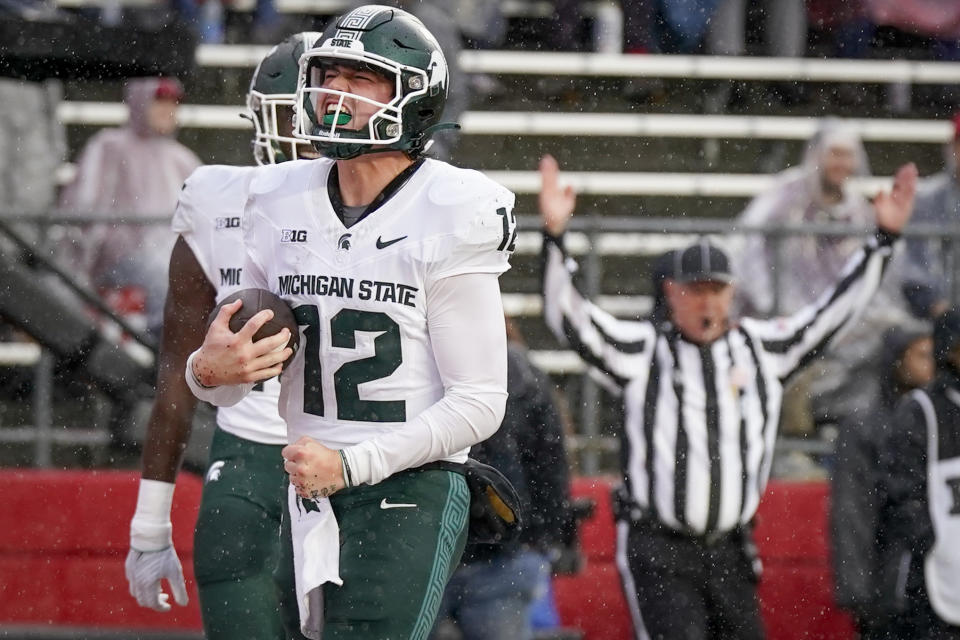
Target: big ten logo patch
x,y
228,223
293,235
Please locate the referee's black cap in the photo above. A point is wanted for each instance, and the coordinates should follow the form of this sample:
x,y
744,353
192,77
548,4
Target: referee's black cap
x,y
701,262
946,335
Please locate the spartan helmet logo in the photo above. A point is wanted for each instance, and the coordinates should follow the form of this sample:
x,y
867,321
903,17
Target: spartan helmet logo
x,y
437,70
343,244
213,473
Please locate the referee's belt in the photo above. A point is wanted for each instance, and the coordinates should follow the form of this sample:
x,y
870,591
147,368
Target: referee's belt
x,y
627,509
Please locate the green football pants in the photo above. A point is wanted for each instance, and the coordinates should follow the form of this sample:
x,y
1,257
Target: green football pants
x,y
237,540
395,559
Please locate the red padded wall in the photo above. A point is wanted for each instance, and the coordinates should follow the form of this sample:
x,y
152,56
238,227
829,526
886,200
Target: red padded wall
x,y
64,537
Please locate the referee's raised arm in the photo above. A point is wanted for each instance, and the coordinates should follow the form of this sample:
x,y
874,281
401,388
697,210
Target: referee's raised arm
x,y
793,341
616,348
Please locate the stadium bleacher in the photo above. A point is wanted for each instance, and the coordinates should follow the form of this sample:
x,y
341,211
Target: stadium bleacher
x,y
628,161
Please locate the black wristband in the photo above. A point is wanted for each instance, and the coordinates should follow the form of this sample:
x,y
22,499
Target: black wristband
x,y
347,473
885,237
555,239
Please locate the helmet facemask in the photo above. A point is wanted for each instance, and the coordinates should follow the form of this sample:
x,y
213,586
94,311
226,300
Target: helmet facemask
x,y
266,112
271,102
332,132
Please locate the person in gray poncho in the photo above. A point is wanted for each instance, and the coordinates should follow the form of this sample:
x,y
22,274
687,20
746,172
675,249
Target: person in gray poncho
x,y
131,172
819,191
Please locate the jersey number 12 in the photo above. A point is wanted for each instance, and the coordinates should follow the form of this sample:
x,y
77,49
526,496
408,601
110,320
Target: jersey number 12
x,y
346,380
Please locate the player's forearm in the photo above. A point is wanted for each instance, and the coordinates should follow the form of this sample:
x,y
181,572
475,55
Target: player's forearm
x,y
171,419
465,322
460,420
168,432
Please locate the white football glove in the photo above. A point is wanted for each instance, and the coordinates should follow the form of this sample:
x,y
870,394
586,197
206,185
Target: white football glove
x,y
146,569
152,557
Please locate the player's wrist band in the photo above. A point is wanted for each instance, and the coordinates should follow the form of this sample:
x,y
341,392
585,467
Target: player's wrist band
x,y
347,474
150,528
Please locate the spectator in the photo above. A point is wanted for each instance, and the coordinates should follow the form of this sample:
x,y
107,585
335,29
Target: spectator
x,y
564,33
938,203
33,145
857,494
481,21
132,172
784,277
207,18
784,28
921,583
935,18
815,192
850,34
489,596
31,153
784,35
33,137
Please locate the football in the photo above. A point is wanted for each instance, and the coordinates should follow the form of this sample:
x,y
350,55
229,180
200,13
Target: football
x,y
254,301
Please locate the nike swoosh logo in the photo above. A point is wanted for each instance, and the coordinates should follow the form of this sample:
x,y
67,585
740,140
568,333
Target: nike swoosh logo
x,y
383,245
395,505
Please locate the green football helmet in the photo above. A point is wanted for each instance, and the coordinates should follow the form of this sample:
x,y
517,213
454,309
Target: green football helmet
x,y
393,44
274,84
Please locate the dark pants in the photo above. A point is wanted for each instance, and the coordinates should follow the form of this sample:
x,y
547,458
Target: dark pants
x,y
919,621
688,588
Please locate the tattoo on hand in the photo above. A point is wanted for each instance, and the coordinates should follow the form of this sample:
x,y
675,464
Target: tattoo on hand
x,y
323,492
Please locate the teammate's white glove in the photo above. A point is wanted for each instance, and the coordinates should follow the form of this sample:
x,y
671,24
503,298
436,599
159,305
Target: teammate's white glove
x,y
152,557
145,571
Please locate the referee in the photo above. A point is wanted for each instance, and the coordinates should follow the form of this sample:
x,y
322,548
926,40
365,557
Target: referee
x,y
701,400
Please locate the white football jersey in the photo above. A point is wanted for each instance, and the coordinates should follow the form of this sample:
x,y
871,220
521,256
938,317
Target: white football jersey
x,y
365,364
208,218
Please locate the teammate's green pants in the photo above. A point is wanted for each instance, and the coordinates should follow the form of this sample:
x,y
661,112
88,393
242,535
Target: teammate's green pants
x,y
237,540
394,560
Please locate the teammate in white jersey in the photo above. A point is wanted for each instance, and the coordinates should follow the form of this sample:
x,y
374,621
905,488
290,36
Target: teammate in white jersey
x,y
236,543
390,262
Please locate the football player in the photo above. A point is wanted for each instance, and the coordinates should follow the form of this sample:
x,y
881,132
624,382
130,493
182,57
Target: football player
x,y
390,261
236,543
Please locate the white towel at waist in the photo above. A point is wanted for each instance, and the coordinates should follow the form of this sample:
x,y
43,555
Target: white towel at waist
x,y
316,557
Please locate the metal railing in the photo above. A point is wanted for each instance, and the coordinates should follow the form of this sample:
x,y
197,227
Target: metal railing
x,y
593,239
539,63
645,125
43,434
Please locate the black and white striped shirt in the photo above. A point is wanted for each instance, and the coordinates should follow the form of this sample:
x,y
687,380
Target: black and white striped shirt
x,y
701,421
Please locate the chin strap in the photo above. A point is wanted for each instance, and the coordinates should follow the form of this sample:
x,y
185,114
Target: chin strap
x,y
440,126
429,131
